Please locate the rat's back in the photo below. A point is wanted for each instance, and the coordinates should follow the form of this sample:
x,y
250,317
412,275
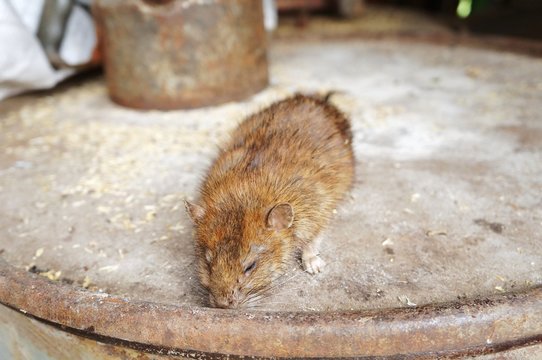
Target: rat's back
x,y
297,151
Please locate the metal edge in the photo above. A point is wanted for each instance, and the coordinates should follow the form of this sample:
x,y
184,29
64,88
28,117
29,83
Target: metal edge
x,y
528,47
465,327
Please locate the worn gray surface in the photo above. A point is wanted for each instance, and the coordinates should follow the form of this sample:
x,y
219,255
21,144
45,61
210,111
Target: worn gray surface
x,y
447,201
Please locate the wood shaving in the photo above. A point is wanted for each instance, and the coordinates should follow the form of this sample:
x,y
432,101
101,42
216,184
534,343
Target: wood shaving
x,y
39,253
103,209
79,203
109,268
387,242
436,232
150,216
52,274
177,227
405,300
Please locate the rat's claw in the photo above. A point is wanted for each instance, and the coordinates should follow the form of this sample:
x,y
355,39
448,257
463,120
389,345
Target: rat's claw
x,y
313,264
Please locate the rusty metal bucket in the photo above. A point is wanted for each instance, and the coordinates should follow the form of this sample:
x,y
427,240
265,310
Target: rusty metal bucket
x,y
182,53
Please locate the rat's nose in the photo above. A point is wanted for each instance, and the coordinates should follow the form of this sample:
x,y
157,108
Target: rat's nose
x,y
224,302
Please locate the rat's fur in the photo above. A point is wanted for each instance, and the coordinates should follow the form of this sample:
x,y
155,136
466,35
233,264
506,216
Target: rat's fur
x,y
269,193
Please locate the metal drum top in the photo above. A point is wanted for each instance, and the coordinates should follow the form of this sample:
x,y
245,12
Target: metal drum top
x,y
446,209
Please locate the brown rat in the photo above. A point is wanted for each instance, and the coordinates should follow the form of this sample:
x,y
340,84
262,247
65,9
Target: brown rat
x,y
269,193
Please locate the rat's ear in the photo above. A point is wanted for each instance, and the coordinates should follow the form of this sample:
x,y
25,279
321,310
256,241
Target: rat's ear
x,y
280,217
195,212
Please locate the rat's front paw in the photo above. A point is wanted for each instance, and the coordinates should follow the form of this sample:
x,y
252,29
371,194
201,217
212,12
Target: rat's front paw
x,y
313,264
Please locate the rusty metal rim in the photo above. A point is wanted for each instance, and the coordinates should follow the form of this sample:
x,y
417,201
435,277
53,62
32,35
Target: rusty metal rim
x,y
499,43
469,327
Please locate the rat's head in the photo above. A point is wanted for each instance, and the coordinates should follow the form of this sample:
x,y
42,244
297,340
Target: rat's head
x,y
240,253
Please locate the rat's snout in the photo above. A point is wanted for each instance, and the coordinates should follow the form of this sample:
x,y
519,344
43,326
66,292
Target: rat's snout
x,y
229,300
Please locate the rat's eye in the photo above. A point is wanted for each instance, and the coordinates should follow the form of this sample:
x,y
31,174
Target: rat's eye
x,y
250,267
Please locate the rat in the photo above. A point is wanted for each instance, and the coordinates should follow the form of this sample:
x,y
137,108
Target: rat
x,y
272,189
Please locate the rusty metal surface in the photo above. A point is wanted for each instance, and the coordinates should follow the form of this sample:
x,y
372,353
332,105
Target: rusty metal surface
x,y
182,53
469,327
25,338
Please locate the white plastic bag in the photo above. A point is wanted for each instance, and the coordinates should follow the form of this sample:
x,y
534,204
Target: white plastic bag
x,y
24,63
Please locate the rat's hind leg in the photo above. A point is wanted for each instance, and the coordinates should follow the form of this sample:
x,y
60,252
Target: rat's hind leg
x,y
310,256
